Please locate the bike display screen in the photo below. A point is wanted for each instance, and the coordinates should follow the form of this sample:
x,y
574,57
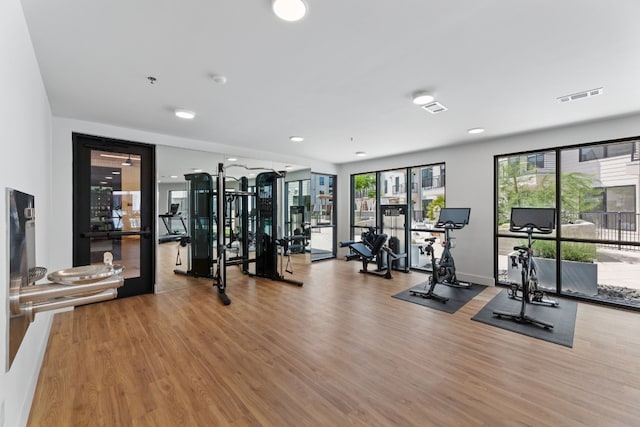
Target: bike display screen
x,y
459,216
542,219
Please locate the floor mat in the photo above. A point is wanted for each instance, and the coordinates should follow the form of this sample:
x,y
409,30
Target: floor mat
x,y
457,296
562,317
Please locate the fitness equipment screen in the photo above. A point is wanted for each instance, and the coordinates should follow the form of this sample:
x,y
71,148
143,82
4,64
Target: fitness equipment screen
x,y
454,215
544,219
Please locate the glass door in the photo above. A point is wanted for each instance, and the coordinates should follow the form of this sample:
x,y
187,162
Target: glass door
x,y
113,208
392,188
323,217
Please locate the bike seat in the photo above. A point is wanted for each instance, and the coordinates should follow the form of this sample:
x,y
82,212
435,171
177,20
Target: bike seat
x,y
430,239
521,248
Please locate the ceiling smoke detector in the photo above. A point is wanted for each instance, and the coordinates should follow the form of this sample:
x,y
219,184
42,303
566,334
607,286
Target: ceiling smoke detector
x,y
434,107
580,95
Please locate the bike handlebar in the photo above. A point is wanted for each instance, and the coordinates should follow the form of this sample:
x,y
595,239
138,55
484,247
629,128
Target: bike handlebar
x,y
450,225
531,228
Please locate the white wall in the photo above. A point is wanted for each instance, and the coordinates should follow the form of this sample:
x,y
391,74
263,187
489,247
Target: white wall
x,y
469,170
25,138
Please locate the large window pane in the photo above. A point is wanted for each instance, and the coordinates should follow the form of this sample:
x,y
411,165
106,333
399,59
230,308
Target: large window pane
x,y
526,181
393,187
427,197
600,196
364,200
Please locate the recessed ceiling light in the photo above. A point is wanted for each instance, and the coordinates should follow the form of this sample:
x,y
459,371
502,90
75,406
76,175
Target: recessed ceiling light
x,y
196,170
232,159
296,138
115,173
185,114
289,10
108,177
103,182
422,98
218,78
360,153
252,174
174,176
475,130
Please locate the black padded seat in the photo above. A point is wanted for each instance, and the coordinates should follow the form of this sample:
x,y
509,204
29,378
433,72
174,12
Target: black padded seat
x,y
364,251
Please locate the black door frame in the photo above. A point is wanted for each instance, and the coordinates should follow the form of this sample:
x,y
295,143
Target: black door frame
x,y
82,146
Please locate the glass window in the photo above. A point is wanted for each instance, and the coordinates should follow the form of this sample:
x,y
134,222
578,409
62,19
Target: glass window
x,y
605,151
535,161
621,199
426,199
597,220
394,191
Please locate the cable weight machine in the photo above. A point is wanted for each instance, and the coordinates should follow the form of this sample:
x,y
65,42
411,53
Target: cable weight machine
x,y
211,215
271,243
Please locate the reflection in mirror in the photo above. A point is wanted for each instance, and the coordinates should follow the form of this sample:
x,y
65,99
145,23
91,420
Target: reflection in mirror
x,y
173,251
323,217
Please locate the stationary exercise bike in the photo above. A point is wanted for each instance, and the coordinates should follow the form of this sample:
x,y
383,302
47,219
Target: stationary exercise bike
x,y
527,264
539,220
443,271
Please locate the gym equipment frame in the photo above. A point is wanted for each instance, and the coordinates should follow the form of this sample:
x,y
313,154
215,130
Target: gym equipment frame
x,y
371,250
443,271
529,220
270,243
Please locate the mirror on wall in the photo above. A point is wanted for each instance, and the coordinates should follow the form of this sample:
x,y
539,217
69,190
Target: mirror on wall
x,y
173,163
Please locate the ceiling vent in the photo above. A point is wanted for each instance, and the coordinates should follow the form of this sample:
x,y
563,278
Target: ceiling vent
x,y
580,95
434,107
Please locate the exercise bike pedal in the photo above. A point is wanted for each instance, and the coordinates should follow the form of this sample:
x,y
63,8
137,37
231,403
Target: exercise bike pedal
x,y
457,284
539,298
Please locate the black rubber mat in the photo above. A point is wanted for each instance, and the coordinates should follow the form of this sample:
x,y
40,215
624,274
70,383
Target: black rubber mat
x,y
457,296
563,318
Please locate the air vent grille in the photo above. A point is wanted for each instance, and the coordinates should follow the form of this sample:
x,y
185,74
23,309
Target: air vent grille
x,y
434,107
580,95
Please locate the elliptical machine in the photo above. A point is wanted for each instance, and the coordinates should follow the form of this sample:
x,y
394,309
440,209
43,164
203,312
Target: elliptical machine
x,y
443,271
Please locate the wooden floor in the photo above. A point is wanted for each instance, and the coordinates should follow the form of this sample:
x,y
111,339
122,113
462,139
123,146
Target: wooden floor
x,y
338,351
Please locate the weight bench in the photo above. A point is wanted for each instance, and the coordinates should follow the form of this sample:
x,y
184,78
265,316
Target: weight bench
x,y
372,254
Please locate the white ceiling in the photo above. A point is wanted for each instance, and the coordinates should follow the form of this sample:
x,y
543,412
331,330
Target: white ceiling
x,y
343,76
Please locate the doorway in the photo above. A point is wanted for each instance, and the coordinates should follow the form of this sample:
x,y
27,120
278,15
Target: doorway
x,y
114,208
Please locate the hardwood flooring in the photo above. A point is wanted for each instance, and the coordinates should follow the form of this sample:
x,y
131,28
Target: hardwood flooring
x,y
166,279
338,351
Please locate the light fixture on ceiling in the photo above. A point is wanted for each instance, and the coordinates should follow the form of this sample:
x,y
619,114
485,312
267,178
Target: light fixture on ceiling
x,y
232,159
185,114
289,10
115,173
174,176
475,130
219,78
422,98
196,170
296,138
128,162
360,153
